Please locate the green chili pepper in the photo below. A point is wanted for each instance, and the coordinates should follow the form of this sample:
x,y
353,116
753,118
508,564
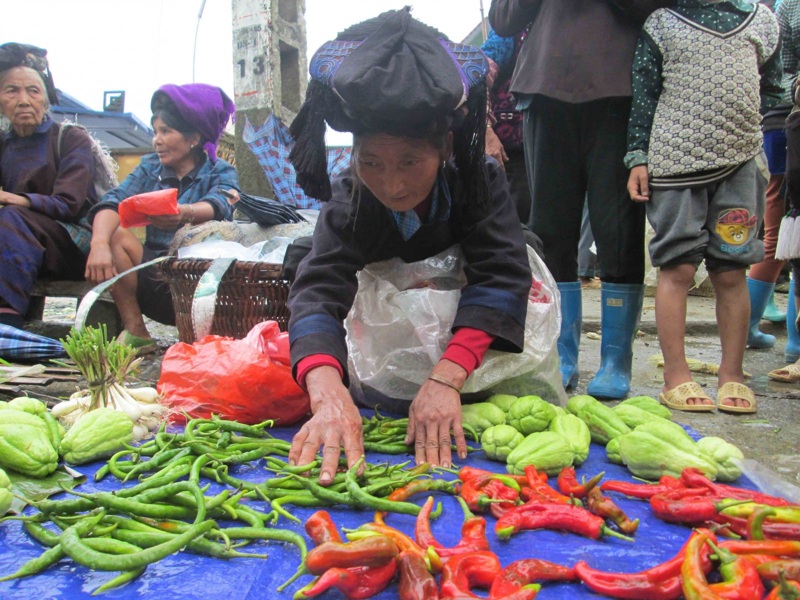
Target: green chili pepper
x,y
368,501
78,551
119,580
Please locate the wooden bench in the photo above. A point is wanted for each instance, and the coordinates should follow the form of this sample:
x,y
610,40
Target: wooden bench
x,y
103,310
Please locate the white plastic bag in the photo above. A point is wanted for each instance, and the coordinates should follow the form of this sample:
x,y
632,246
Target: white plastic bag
x,y
400,325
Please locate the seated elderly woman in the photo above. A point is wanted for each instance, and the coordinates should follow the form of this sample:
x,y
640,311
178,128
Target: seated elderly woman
x,y
418,185
46,183
187,122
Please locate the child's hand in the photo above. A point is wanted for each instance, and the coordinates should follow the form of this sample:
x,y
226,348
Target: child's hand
x,y
638,184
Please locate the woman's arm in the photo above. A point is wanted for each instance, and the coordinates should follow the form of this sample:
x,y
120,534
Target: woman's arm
x,y
73,183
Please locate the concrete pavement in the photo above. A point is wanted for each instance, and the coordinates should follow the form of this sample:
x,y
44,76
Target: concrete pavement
x,y
771,437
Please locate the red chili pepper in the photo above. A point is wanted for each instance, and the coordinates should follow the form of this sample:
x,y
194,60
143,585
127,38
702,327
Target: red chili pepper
x,y
354,582
497,490
372,551
740,578
770,571
473,532
756,559
416,582
773,547
695,584
690,506
781,514
417,486
538,483
320,528
522,573
644,491
692,477
661,582
466,571
787,590
401,540
561,517
770,530
569,485
605,507
466,474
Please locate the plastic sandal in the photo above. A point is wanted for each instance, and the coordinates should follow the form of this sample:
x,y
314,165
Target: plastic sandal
x,y
676,398
787,374
733,389
140,344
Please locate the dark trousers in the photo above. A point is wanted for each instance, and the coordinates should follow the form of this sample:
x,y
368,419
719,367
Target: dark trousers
x,y
574,154
517,175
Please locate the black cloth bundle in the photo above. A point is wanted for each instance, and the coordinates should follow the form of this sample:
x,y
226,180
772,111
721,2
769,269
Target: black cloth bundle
x,y
267,212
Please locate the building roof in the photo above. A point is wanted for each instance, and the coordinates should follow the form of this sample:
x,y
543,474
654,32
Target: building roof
x,y
117,130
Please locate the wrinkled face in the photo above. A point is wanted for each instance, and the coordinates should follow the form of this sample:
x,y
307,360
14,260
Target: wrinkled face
x,y
174,149
23,98
400,172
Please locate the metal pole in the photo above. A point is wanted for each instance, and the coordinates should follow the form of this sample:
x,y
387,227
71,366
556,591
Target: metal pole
x,y
484,32
196,29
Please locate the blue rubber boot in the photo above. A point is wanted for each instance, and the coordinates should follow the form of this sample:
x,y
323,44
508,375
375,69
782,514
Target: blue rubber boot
x,y
570,337
760,292
772,313
622,305
792,351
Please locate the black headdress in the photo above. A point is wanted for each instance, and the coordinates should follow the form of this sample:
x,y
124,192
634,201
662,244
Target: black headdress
x,y
13,55
396,75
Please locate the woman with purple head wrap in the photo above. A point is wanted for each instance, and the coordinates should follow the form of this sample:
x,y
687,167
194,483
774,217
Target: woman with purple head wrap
x,y
187,123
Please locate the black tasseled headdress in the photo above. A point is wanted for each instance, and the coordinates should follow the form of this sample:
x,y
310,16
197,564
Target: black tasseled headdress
x,y
395,75
13,55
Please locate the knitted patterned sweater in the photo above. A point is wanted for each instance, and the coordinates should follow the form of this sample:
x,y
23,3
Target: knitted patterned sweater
x,y
707,118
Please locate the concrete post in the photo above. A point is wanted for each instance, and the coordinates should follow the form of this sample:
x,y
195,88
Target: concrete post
x,y
269,67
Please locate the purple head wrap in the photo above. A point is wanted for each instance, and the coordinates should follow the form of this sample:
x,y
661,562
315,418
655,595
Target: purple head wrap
x,y
206,107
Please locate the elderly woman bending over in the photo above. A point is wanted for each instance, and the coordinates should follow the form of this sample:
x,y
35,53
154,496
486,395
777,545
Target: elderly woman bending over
x,y
187,122
45,183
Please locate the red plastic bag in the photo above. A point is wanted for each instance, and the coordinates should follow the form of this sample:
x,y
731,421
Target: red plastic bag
x,y
134,211
248,380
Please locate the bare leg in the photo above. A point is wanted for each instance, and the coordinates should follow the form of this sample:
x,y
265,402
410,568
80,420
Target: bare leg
x,y
671,291
127,251
733,316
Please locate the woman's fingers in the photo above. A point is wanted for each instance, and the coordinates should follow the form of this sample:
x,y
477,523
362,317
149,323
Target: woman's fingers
x,y
461,440
330,460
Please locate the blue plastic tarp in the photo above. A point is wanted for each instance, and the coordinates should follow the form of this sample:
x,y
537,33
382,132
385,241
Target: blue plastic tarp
x,y
189,576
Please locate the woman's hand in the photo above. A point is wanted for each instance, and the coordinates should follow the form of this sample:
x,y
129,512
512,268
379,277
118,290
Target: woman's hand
x,y
638,184
100,263
494,147
434,412
9,199
170,222
336,423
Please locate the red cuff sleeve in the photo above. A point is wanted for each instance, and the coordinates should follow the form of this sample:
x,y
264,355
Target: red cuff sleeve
x,y
312,362
468,347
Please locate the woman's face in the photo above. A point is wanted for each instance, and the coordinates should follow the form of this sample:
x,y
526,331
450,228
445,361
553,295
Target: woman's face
x,y
174,148
400,172
23,99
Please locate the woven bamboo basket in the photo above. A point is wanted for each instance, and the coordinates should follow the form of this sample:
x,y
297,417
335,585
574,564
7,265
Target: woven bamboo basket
x,y
249,293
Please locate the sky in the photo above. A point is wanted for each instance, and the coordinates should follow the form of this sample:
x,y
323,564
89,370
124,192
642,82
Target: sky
x,y
137,45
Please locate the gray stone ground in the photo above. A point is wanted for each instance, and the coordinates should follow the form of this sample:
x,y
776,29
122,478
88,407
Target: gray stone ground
x,y
771,437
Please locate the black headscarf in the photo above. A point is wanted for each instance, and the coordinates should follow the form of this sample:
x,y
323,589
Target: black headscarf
x,y
13,55
395,75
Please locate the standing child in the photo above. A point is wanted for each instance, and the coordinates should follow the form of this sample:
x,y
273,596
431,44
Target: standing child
x,y
703,73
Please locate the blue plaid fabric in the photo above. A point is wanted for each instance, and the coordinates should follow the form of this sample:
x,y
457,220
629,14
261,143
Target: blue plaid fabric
x,y
18,344
408,222
271,144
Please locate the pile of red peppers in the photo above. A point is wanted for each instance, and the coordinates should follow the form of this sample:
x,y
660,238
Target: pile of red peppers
x,y
764,554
